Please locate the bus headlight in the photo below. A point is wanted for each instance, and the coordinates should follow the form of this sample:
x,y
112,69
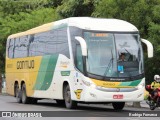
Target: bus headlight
x,y
89,84
86,83
93,85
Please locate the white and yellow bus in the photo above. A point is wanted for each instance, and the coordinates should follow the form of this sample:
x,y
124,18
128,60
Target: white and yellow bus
x,y
77,60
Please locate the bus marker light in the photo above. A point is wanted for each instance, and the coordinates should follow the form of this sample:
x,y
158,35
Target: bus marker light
x,y
93,95
139,95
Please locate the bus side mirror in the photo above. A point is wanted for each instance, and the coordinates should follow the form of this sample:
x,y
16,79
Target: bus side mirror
x,y
84,52
149,47
83,45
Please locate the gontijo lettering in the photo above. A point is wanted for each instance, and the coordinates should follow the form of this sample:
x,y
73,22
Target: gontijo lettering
x,y
28,64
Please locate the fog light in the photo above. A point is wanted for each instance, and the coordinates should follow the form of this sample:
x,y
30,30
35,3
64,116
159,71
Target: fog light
x,y
93,95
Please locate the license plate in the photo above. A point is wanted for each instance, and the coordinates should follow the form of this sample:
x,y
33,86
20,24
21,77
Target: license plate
x,y
117,96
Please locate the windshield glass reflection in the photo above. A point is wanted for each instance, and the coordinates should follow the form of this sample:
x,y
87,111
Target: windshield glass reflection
x,y
114,55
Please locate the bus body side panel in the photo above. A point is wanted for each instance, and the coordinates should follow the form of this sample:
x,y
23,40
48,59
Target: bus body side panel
x,y
58,71
63,72
22,70
43,85
10,77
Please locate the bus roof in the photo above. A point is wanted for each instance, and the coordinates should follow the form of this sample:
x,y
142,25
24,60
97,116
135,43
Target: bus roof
x,y
88,23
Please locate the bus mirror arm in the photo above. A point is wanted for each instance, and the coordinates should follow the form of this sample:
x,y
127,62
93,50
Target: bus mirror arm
x,y
149,47
84,52
83,45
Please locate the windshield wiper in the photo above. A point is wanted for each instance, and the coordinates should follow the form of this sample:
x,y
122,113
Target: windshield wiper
x,y
108,66
129,53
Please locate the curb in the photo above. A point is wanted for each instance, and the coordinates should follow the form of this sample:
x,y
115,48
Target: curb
x,y
4,94
143,104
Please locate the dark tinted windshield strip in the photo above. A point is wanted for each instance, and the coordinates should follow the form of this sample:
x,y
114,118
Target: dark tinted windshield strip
x,y
115,79
120,32
113,32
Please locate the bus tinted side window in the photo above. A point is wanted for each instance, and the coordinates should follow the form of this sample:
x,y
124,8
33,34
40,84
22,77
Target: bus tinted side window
x,y
10,47
74,32
76,49
50,42
32,46
79,60
39,40
42,44
16,49
62,42
21,47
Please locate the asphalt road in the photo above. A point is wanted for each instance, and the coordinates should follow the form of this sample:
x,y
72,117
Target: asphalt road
x,y
91,112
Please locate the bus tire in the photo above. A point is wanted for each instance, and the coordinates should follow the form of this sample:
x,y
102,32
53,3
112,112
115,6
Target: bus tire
x,y
60,102
70,104
118,105
18,93
25,99
33,100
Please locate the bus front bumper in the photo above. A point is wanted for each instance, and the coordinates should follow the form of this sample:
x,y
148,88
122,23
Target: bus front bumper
x,y
121,95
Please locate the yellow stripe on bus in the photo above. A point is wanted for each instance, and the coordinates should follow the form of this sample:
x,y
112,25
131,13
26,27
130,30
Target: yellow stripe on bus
x,y
106,84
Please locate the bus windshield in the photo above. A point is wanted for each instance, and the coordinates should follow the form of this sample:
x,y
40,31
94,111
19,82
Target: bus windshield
x,y
114,55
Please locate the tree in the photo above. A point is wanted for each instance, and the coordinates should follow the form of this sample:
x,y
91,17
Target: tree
x,y
16,6
153,65
74,8
20,15
144,14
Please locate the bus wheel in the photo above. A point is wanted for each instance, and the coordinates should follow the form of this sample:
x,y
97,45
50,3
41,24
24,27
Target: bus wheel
x,y
18,94
118,105
25,99
33,100
67,97
60,102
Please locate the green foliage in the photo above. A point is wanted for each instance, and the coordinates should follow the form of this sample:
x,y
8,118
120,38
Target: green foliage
x,y
54,3
144,14
73,8
21,15
16,6
24,21
153,65
134,11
